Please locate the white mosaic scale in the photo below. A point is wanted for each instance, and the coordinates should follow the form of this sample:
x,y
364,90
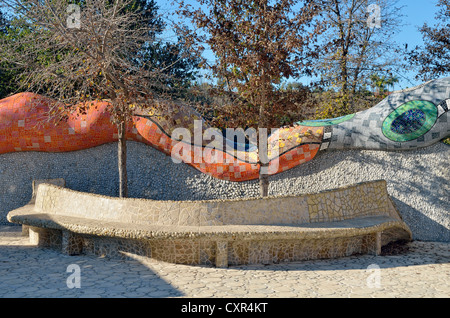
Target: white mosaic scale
x,y
412,118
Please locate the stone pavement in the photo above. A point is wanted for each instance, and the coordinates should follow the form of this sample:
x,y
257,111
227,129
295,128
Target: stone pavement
x,y
28,272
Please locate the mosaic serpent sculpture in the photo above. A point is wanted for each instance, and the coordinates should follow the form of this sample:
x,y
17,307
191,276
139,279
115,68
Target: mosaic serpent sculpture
x,y
407,119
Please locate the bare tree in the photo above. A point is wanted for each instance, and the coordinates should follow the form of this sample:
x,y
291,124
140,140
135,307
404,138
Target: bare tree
x,y
257,44
432,59
76,54
357,44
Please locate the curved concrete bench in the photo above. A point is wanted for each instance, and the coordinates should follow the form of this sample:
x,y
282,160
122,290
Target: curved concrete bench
x,y
355,219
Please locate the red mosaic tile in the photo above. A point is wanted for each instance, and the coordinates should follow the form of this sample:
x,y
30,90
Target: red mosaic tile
x,y
24,127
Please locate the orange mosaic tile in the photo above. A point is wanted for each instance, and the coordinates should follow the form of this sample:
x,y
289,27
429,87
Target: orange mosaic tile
x,y
26,126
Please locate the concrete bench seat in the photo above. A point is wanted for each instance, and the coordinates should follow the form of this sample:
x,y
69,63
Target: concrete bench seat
x,y
355,219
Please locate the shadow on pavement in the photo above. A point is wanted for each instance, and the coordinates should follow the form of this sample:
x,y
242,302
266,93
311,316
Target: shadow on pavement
x,y
30,272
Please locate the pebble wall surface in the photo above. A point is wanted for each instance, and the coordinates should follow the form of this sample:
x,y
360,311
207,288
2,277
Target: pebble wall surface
x,y
418,180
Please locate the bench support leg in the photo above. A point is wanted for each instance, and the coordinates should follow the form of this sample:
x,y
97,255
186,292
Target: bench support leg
x,y
376,249
72,244
222,254
42,237
25,230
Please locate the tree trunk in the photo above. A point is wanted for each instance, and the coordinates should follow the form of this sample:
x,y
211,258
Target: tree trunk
x,y
264,180
263,157
122,160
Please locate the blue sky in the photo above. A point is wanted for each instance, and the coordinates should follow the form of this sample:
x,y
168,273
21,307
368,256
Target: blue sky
x,y
415,13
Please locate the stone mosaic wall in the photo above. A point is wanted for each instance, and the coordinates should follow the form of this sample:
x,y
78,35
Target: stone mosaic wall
x,y
407,120
417,180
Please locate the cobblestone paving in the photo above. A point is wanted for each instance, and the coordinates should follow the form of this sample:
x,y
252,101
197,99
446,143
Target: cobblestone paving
x,y
28,272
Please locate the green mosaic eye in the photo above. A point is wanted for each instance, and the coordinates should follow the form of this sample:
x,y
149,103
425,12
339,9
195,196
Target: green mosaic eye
x,y
410,121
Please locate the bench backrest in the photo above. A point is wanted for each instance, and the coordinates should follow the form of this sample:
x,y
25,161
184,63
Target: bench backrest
x,y
360,200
